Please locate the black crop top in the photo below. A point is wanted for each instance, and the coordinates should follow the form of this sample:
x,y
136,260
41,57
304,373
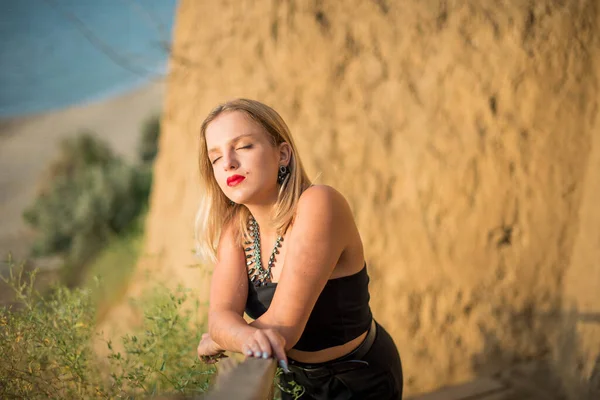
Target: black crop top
x,y
341,313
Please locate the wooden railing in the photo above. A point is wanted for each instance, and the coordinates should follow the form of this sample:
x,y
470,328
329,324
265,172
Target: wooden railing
x,y
251,379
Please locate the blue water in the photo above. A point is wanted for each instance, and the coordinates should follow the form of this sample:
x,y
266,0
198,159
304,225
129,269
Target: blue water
x,y
57,53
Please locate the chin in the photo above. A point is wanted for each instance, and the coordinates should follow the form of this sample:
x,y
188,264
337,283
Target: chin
x,y
239,198
246,197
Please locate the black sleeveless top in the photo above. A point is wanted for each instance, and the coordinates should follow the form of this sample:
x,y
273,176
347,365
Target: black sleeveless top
x,y
341,313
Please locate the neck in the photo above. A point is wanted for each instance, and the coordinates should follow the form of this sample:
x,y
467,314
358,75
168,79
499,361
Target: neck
x,y
262,211
262,215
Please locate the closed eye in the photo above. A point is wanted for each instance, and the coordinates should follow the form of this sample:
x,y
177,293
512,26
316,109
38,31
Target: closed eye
x,y
249,146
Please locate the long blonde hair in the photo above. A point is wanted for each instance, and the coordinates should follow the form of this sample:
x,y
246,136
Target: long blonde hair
x,y
216,210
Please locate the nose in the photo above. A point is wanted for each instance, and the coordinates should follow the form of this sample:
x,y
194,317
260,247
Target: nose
x,y
230,162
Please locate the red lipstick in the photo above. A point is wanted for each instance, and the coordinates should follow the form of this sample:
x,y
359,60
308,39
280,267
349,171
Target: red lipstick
x,y
235,179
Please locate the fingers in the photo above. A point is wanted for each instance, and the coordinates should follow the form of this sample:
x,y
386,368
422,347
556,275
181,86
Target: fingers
x,y
207,351
200,349
257,346
266,343
277,342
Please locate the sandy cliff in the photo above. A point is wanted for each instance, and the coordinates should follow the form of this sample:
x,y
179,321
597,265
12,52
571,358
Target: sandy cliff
x,y
466,138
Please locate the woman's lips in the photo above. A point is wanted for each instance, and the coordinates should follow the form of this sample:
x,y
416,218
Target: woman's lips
x,y
234,180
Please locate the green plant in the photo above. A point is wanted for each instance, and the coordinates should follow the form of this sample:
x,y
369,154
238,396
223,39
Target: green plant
x,y
79,152
161,358
114,266
148,147
46,347
89,195
290,387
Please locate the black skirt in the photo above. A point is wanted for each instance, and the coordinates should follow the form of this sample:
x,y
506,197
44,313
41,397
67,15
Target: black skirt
x,y
375,375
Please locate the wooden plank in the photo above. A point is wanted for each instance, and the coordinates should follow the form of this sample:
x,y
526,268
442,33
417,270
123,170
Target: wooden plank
x,y
252,379
479,389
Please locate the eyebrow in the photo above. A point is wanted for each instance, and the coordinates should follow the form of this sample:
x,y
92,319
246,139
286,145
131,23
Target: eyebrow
x,y
235,139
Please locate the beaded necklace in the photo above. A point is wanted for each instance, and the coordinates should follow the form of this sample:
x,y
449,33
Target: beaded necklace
x,y
259,275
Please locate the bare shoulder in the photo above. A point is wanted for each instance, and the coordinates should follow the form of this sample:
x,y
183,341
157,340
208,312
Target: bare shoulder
x,y
325,203
321,195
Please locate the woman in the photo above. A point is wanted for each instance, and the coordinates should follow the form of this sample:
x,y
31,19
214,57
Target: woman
x,y
289,254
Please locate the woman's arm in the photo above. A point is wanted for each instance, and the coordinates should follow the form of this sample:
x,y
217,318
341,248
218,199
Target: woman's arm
x,y
322,230
228,294
229,290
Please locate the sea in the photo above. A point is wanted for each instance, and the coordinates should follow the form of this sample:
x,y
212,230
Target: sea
x,y
58,53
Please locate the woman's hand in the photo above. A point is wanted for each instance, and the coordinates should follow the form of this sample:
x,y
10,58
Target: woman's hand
x,y
209,351
266,343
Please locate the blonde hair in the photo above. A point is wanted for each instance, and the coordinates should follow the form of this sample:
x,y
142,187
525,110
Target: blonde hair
x,y
216,210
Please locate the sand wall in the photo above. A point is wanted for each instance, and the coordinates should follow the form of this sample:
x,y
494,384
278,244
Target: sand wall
x,y
577,344
465,136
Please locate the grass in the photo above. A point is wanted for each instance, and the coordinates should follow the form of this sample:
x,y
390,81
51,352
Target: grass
x,y
46,344
113,267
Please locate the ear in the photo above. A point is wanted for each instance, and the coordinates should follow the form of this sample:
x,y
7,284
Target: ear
x,y
285,153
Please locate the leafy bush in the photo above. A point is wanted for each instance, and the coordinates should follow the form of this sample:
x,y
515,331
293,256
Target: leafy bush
x,y
148,148
80,152
46,348
89,195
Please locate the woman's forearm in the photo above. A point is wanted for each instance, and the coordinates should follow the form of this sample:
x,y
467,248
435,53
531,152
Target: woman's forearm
x,y
229,330
290,334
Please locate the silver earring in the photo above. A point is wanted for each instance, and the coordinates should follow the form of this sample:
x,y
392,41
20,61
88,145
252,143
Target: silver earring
x,y
283,174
